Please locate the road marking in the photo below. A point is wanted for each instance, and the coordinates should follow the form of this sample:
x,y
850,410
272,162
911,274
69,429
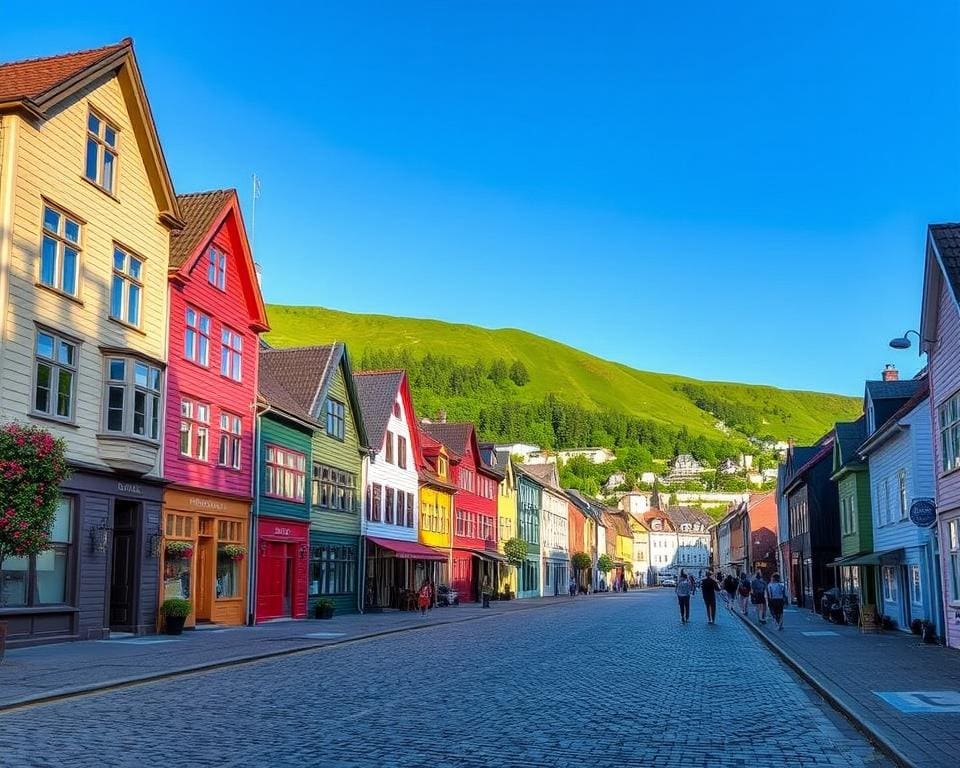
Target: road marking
x,y
923,702
325,635
821,633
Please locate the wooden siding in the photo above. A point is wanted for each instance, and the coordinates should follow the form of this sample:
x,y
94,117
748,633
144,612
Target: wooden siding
x,y
857,486
50,163
528,511
228,309
468,501
444,502
276,431
341,454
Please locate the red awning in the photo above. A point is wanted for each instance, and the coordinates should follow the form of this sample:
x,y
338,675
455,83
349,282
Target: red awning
x,y
408,550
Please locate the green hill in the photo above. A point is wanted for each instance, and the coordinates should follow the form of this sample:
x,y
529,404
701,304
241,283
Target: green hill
x,y
556,371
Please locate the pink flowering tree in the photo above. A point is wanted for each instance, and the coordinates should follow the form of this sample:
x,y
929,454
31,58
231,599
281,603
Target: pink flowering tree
x,y
32,467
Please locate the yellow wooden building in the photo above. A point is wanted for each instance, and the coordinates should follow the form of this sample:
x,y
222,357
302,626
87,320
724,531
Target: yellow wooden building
x,y
436,501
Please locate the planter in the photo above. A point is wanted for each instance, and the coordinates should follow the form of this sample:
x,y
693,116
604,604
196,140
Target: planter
x,y
916,626
927,632
173,625
323,612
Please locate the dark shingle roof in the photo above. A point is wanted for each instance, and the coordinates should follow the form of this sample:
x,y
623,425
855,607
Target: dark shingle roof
x,y
198,211
275,394
947,239
377,391
300,372
545,474
32,78
849,436
884,390
456,437
680,515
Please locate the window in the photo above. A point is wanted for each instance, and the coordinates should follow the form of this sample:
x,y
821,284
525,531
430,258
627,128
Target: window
x,y
389,448
889,584
228,574
333,569
196,338
217,268
401,452
101,160
231,431
410,503
388,507
335,419
954,554
465,479
60,251
377,502
886,512
948,417
231,354
848,513
133,398
916,585
441,467
285,473
41,579
396,409
194,429
902,493
55,373
334,489
126,287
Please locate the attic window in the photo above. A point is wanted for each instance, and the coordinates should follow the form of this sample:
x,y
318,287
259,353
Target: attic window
x,y
101,160
217,269
396,409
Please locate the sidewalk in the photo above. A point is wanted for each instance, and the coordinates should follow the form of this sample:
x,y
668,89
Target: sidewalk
x,y
37,673
904,695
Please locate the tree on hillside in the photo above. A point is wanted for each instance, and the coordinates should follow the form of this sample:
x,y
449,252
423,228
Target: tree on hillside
x,y
498,370
519,374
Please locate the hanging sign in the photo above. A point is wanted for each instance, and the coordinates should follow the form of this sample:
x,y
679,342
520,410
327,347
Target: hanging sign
x,y
923,512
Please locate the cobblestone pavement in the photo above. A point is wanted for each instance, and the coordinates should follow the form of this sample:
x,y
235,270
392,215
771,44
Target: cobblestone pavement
x,y
614,682
877,667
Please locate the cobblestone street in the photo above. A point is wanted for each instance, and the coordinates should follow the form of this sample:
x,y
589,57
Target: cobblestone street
x,y
594,682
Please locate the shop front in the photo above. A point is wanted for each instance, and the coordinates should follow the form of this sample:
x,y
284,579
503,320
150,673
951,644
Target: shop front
x,y
282,565
204,555
100,574
395,570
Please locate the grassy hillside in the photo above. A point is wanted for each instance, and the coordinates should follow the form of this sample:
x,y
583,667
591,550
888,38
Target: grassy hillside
x,y
575,376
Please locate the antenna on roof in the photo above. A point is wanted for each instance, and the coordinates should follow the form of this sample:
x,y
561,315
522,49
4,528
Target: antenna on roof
x,y
253,225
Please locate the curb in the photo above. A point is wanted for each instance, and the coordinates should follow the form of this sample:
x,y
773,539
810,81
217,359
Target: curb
x,y
865,726
106,686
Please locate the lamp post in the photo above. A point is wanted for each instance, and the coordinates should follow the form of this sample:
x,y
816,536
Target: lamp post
x,y
902,342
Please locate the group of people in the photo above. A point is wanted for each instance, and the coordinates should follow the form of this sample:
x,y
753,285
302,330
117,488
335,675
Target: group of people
x,y
757,590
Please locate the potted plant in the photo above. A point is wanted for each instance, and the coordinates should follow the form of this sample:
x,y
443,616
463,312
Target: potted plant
x,y
235,552
175,611
323,608
915,626
928,632
179,550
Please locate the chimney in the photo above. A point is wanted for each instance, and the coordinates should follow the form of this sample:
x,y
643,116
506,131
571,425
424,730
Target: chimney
x,y
441,416
890,372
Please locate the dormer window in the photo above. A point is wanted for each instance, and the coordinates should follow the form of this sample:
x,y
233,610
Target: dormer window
x,y
441,467
217,268
101,160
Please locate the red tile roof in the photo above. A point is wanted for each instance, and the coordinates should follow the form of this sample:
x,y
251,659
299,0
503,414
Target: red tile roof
x,y
198,211
32,78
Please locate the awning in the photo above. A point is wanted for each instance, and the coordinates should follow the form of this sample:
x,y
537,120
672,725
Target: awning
x,y
408,550
867,558
487,554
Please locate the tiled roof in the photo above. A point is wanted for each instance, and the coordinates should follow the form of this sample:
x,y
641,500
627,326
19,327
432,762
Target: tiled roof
x,y
545,474
32,78
377,391
849,435
198,211
680,515
884,390
456,437
923,391
275,394
300,372
947,240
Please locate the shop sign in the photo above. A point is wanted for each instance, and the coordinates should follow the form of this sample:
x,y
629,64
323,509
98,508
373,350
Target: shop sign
x,y
133,488
923,513
197,501
281,531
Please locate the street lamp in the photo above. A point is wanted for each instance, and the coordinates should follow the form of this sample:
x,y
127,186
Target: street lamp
x,y
902,342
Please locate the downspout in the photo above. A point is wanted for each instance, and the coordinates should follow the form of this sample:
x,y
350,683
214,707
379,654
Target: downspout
x,y
9,125
362,552
252,548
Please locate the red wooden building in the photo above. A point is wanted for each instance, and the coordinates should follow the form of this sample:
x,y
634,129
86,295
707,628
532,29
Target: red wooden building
x,y
475,552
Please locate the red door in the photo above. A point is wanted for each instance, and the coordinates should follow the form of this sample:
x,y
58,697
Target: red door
x,y
275,588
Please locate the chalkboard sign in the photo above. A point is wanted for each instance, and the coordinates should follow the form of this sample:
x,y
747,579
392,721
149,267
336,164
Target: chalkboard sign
x,y
923,512
868,617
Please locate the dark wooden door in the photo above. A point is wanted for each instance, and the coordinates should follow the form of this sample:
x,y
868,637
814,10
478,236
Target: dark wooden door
x,y
122,580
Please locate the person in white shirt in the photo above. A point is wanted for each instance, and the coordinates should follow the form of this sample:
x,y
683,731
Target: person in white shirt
x,y
777,599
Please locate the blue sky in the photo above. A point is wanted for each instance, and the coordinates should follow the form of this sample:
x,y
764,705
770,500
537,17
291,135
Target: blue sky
x,y
733,191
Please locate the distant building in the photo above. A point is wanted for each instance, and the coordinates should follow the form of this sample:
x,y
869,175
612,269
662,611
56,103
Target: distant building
x,y
728,467
636,504
648,478
517,449
684,467
614,481
594,455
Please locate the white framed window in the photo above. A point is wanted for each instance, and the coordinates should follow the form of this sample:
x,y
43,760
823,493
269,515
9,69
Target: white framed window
x,y
887,513
60,251
217,268
335,419
948,419
388,452
953,535
902,493
133,397
916,585
401,452
194,429
196,337
55,374
100,166
126,287
231,433
285,473
889,576
231,354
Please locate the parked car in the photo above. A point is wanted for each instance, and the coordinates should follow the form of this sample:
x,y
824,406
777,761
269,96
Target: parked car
x,y
447,595
668,581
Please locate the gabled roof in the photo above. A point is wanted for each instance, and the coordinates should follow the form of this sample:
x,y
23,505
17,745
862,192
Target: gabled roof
x,y
204,213
897,389
884,429
456,437
305,375
523,470
806,458
688,515
38,86
849,436
273,391
946,239
377,391
617,519
545,474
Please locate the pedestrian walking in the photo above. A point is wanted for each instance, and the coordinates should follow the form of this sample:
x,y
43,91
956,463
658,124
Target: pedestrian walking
x,y
758,596
709,588
683,597
424,595
485,591
572,587
730,589
777,596
743,592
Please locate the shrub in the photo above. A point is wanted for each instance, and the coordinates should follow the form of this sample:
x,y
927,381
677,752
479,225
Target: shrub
x,y
605,563
324,604
176,607
581,560
516,551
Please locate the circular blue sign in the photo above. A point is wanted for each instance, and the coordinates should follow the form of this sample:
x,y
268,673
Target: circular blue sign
x,y
923,512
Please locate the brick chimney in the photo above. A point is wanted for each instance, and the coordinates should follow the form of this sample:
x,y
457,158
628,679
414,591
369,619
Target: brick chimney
x,y
890,372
